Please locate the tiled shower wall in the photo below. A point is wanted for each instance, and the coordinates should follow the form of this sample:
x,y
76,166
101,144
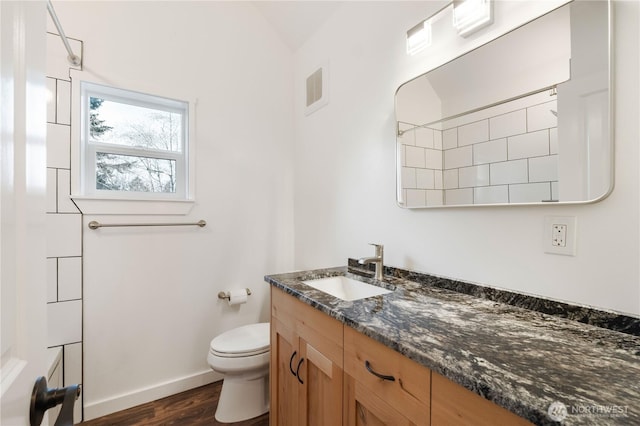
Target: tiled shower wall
x,y
64,222
505,154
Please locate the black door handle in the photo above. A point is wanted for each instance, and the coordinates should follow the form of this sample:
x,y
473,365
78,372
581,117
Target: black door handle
x,y
298,371
43,398
380,376
290,361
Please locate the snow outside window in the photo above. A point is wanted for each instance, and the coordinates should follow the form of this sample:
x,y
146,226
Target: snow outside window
x,y
133,145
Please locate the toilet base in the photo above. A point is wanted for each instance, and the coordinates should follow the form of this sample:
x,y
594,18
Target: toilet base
x,y
242,398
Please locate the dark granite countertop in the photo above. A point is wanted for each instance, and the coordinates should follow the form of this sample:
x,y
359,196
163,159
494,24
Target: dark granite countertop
x,y
521,359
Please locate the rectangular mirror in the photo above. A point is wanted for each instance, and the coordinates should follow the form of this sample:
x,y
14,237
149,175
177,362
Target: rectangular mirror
x,y
523,119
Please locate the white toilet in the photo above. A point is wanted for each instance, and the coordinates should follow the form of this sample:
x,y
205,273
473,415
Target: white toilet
x,y
242,355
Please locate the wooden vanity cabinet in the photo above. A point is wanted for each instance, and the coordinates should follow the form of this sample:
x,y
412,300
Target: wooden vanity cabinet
x,y
383,387
325,373
306,364
452,404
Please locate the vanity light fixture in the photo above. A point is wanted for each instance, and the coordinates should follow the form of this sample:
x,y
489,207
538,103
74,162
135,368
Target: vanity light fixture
x,y
471,15
418,37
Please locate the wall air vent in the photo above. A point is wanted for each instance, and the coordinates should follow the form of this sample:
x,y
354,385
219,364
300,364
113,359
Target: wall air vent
x,y
317,94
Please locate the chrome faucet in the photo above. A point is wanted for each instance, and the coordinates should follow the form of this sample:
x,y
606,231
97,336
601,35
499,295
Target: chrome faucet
x,y
378,259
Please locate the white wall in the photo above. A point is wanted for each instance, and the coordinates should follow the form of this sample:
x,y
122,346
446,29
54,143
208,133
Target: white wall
x,y
345,172
150,294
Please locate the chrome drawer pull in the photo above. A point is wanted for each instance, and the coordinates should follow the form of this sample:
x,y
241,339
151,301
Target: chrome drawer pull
x,y
380,376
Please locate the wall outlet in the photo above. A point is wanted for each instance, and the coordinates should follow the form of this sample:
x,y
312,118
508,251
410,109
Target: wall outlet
x,y
559,235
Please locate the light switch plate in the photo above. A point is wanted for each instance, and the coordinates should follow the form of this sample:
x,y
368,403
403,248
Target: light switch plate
x,y
559,235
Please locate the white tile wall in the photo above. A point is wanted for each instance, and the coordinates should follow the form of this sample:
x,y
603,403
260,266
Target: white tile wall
x,y
458,196
530,192
450,138
553,141
490,152
543,169
415,197
409,135
64,321
473,133
474,176
73,372
63,109
528,145
405,127
437,139
497,156
69,278
433,159
424,137
54,379
401,152
425,178
58,146
415,156
458,157
57,63
554,191
439,180
73,368
491,194
52,187
408,177
51,100
450,178
509,172
435,198
513,123
540,116
64,235
52,280
65,205
64,221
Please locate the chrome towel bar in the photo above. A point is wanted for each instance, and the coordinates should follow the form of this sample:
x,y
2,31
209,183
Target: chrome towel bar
x,y
95,225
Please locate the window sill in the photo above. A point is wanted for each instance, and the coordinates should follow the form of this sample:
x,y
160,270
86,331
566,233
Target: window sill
x,y
120,206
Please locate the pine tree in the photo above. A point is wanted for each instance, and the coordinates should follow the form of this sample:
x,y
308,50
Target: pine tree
x,y
96,126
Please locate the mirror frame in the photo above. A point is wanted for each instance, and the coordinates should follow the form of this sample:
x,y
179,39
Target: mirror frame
x,y
610,118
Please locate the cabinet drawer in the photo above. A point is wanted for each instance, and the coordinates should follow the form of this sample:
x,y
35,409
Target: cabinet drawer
x,y
408,392
310,324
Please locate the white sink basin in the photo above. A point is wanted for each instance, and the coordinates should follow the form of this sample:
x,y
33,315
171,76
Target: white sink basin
x,y
346,288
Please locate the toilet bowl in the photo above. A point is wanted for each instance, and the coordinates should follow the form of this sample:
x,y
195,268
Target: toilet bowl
x,y
242,355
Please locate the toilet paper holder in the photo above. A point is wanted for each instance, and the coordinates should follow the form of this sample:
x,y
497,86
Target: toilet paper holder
x,y
226,295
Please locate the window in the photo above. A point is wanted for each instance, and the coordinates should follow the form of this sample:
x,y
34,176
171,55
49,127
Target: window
x,y
133,145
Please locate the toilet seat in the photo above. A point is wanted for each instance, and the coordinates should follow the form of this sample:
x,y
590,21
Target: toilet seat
x,y
245,341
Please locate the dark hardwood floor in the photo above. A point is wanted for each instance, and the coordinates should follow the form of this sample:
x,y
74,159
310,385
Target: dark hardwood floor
x,y
193,407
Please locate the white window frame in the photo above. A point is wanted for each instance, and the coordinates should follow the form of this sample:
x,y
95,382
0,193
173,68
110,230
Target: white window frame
x,y
90,148
92,201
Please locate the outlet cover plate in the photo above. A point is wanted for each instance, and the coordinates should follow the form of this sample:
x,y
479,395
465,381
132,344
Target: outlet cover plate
x,y
570,222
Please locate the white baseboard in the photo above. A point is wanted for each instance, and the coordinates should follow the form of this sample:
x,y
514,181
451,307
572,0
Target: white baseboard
x,y
93,410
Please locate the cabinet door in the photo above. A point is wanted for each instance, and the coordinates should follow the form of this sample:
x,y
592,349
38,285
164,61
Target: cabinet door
x,y
456,406
364,408
306,364
285,389
321,394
